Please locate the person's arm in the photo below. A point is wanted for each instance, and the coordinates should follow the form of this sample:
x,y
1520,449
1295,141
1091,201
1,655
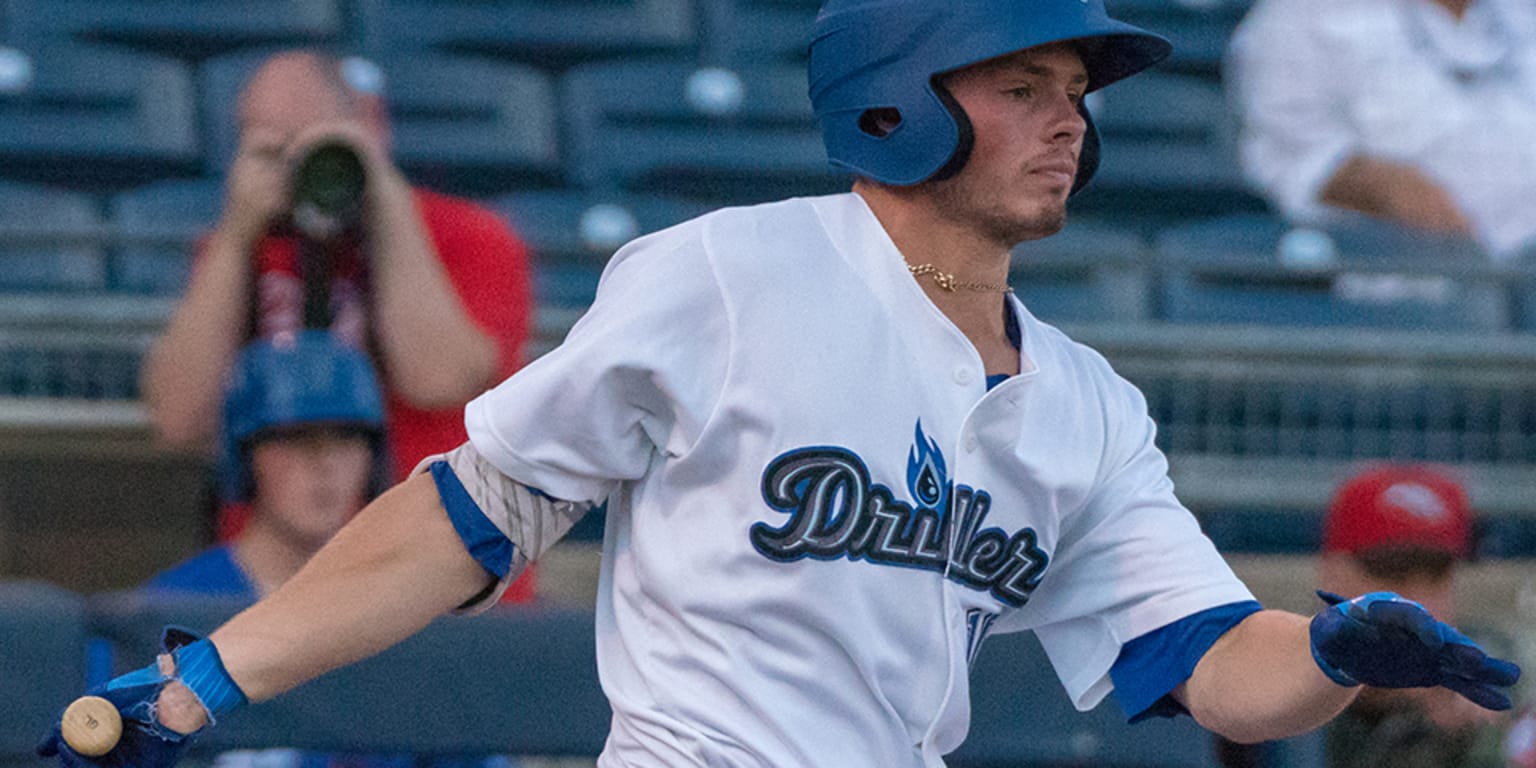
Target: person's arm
x,y
1394,191
183,375
433,353
398,565
1259,682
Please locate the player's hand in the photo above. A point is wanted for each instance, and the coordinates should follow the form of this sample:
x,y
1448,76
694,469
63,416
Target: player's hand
x,y
145,742
1387,641
162,706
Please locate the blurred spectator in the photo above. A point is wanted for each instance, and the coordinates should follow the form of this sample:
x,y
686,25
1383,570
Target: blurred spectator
x,y
1419,111
436,288
1403,529
303,444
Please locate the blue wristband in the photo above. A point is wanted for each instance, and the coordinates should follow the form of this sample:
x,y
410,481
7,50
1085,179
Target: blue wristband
x,y
200,669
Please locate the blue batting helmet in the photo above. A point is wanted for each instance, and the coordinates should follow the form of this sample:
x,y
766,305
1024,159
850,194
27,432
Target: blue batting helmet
x,y
888,54
311,379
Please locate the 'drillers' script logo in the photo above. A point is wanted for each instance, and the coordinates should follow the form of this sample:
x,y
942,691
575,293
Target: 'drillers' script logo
x,y
836,511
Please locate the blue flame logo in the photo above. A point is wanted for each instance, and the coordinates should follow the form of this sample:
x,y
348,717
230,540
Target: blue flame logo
x,y
927,478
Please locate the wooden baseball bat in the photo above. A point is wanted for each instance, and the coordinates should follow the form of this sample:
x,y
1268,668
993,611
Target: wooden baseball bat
x,y
91,726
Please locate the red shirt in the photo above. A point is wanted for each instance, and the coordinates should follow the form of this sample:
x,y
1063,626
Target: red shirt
x,y
488,267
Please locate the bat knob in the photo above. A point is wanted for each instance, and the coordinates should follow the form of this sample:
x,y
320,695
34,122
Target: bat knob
x,y
91,726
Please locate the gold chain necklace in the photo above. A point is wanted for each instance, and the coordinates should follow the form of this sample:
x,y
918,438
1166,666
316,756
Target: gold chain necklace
x,y
947,281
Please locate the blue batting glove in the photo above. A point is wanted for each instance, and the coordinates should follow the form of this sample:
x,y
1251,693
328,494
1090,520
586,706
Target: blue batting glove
x,y
1387,641
145,743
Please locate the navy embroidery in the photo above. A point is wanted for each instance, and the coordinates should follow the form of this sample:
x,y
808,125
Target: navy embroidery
x,y
836,511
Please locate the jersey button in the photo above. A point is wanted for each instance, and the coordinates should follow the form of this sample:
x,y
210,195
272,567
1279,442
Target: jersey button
x,y
963,376
970,443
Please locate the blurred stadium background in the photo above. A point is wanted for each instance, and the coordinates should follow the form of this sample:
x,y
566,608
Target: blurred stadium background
x,y
1275,360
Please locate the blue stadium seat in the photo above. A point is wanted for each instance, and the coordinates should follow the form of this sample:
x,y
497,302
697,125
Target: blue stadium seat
x,y
572,234
98,118
154,229
742,31
1168,150
1523,286
1020,715
50,240
187,29
44,631
1090,271
725,136
460,125
566,226
547,33
1199,29
520,680
1258,269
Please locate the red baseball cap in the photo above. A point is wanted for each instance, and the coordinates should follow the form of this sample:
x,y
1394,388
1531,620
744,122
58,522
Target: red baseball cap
x,y
1399,504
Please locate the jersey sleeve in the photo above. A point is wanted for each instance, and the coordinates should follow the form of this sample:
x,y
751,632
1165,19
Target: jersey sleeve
x,y
1131,560
635,378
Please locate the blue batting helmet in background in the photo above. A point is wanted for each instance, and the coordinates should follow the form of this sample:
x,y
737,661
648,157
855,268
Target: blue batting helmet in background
x,y
888,54
309,379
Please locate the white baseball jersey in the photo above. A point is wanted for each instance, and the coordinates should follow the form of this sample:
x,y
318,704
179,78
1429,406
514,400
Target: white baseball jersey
x,y
817,511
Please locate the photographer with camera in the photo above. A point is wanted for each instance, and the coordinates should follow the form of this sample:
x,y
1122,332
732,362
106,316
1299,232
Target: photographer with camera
x,y
434,288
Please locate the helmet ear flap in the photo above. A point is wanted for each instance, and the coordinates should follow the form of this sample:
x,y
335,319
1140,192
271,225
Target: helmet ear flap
x,y
1088,158
966,139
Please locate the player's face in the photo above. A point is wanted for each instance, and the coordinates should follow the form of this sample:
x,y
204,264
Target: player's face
x,y
310,483
1028,133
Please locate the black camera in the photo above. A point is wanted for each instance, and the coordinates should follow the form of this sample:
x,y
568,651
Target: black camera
x,y
328,191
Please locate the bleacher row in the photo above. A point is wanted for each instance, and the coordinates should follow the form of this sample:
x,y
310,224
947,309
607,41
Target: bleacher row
x,y
532,690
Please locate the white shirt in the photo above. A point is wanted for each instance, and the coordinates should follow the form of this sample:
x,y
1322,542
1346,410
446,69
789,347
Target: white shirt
x,y
1318,81
761,395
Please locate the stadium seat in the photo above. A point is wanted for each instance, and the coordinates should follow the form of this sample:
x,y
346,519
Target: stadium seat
x,y
1523,286
547,33
1020,715
531,689
724,136
572,234
97,118
45,634
1090,271
583,227
186,29
50,240
743,31
1168,151
154,229
1259,269
459,125
1199,29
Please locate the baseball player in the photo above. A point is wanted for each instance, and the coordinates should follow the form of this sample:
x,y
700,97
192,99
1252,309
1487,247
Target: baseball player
x,y
837,453
303,445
